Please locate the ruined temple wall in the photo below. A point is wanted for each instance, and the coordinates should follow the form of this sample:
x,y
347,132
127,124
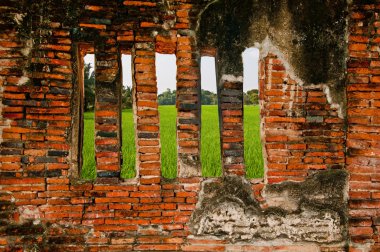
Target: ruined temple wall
x,y
303,129
363,125
300,204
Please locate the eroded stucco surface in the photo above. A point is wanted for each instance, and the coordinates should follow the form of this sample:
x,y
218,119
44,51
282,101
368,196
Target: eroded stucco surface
x,y
309,211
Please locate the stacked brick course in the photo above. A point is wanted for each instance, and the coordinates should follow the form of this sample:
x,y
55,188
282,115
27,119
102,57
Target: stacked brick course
x,y
363,125
188,106
147,113
232,133
303,132
44,205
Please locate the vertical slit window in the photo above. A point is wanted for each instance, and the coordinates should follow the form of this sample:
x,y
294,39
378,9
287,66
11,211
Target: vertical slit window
x,y
210,131
253,155
166,71
127,127
88,170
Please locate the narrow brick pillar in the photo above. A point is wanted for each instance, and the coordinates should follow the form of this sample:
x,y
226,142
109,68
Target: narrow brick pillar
x,y
188,108
283,118
147,124
232,133
107,110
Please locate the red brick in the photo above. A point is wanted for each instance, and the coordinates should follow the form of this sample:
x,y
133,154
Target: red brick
x,y
110,228
203,248
154,247
360,231
139,3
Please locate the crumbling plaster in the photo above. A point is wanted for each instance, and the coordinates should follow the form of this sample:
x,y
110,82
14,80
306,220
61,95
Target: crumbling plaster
x,y
312,211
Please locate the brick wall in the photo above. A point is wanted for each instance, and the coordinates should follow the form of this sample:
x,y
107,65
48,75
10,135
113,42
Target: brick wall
x,y
304,133
363,125
232,133
44,205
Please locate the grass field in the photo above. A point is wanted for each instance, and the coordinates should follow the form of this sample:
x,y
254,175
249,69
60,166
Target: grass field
x,y
88,152
210,143
253,154
168,141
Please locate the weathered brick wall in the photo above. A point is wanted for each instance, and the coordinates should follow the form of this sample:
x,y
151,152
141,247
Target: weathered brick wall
x,y
232,133
300,205
303,130
363,125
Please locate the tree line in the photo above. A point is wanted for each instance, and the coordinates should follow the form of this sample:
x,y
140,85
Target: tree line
x,y
89,91
168,97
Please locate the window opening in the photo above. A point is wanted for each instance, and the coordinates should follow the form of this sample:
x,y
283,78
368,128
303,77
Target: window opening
x,y
253,154
210,131
127,127
88,170
166,71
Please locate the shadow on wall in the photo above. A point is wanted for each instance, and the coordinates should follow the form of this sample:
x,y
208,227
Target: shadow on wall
x,y
311,33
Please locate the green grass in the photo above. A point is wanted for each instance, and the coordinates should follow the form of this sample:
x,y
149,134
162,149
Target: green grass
x,y
128,145
168,140
253,154
88,152
210,143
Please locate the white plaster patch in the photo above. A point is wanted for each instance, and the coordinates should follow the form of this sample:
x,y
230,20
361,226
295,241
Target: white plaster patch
x,y
338,107
23,80
18,17
224,209
27,48
282,200
6,123
327,91
231,78
29,213
235,222
188,170
229,160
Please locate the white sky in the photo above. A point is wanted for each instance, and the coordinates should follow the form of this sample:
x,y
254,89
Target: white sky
x,y
126,61
166,69
90,58
251,69
208,74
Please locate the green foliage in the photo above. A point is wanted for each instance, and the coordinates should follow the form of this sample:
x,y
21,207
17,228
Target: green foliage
x,y
126,97
208,98
210,143
251,97
89,88
168,97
